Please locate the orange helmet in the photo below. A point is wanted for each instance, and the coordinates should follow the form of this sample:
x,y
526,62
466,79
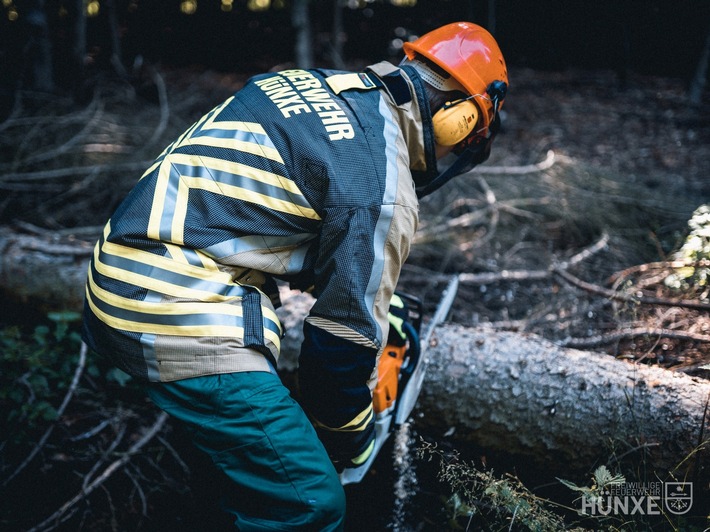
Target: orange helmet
x,y
470,54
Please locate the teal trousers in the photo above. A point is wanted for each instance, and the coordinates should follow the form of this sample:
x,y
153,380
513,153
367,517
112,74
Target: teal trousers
x,y
280,475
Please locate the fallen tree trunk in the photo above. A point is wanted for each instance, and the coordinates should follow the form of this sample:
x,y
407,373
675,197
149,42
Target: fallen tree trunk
x,y
522,394
563,408
503,391
45,269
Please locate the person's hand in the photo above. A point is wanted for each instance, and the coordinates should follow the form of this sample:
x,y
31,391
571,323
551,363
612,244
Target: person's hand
x,y
341,463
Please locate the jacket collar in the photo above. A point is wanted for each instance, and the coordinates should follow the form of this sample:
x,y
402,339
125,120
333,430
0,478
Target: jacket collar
x,y
414,116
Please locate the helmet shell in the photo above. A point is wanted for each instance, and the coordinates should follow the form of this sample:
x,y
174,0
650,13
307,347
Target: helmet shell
x,y
470,54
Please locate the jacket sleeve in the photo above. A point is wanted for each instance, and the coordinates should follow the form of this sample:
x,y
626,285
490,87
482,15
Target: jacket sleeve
x,y
362,252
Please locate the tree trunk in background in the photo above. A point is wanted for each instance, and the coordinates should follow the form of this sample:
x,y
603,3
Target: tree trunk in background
x,y
697,84
301,21
77,17
40,47
114,38
515,393
337,37
491,25
47,271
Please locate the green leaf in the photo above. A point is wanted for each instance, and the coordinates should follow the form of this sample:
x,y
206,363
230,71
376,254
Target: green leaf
x,y
66,316
118,376
603,477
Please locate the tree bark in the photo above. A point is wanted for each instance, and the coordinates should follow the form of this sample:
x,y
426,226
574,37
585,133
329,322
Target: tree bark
x,y
527,396
511,392
45,270
41,48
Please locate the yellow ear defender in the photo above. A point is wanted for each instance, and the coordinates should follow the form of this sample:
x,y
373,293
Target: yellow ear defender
x,y
454,122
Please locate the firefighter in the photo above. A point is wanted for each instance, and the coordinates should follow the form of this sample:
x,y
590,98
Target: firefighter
x,y
308,178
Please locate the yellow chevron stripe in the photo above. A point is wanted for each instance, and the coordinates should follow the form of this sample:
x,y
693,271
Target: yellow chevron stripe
x,y
239,145
207,262
156,209
176,330
235,125
151,259
164,287
357,424
234,168
208,123
254,197
207,118
150,169
176,253
204,183
161,184
157,285
169,308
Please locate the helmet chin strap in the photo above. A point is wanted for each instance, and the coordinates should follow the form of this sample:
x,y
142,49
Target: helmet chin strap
x,y
462,164
475,152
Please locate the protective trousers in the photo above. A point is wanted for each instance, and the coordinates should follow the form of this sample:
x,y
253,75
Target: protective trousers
x,y
256,433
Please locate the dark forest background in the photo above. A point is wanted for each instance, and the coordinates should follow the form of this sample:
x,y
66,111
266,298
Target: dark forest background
x,y
647,36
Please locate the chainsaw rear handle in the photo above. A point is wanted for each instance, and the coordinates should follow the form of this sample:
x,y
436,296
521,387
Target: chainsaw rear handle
x,y
414,351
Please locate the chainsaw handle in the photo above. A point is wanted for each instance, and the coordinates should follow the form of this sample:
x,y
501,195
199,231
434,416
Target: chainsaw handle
x,y
414,351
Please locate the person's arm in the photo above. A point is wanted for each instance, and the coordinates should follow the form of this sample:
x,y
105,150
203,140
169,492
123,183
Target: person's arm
x,y
362,252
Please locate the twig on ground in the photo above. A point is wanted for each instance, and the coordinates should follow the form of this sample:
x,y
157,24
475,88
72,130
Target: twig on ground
x,y
627,334
104,456
59,516
60,411
545,164
637,297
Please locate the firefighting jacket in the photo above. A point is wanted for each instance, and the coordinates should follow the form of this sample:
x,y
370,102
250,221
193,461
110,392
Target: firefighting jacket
x,y
303,177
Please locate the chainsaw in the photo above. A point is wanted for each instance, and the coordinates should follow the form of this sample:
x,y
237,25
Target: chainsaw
x,y
400,372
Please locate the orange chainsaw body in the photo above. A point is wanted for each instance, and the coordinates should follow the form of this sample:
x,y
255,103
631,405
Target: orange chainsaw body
x,y
388,369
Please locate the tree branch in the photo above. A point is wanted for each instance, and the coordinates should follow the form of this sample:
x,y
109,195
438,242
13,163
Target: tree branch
x,y
545,164
60,411
637,297
602,339
57,517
